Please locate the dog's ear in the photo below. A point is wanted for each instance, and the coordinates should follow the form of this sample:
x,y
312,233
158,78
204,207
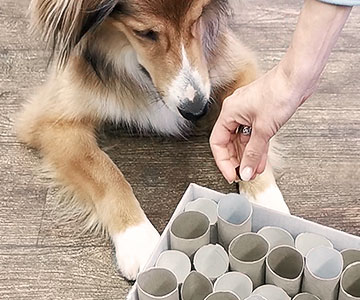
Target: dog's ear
x,y
63,23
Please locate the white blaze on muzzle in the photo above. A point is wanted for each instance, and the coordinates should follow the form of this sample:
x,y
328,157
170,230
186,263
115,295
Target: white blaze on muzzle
x,y
187,85
190,92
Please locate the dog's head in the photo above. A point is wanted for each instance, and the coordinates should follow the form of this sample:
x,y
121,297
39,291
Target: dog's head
x,y
172,40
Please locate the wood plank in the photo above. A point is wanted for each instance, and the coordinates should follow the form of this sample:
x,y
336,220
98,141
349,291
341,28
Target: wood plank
x,y
22,196
59,273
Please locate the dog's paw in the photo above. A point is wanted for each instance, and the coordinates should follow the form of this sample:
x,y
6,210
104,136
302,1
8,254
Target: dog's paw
x,y
272,198
133,248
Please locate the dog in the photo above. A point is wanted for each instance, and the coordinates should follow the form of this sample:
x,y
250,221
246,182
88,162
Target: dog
x,y
151,64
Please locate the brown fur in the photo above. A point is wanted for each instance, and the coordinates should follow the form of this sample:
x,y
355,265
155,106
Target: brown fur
x,y
86,84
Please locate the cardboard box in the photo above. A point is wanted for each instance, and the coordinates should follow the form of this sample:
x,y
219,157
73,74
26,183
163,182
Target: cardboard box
x,y
261,217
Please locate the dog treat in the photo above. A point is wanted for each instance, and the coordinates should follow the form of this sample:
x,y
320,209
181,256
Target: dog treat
x,y
177,262
247,254
284,268
212,261
323,269
234,217
189,232
196,287
306,241
237,170
236,282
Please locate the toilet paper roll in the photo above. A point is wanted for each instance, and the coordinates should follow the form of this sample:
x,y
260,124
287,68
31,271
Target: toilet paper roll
x,y
284,268
234,217
350,283
277,236
196,286
247,254
189,232
236,282
156,284
323,268
212,261
175,261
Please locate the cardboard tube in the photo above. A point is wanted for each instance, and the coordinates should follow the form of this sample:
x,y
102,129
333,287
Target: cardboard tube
x,y
304,242
209,208
255,297
189,232
284,268
350,256
277,236
222,296
157,283
350,282
236,282
175,261
305,296
234,217
212,261
271,292
196,287
323,269
247,254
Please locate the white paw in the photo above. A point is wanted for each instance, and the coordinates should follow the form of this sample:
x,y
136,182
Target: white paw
x,y
133,248
271,198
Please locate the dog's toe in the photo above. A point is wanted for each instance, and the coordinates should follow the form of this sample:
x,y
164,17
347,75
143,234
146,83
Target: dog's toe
x,y
134,247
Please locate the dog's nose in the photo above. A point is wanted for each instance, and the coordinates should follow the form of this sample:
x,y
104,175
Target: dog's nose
x,y
193,110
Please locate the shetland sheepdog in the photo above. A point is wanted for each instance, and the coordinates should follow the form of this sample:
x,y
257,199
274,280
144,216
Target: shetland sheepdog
x,y
151,64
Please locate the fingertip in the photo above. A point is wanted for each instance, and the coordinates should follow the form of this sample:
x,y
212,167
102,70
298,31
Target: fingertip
x,y
246,173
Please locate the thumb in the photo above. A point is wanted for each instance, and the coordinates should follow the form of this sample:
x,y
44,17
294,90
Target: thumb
x,y
254,152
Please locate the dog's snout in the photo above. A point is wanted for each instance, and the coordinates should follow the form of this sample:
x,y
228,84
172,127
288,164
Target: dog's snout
x,y
195,108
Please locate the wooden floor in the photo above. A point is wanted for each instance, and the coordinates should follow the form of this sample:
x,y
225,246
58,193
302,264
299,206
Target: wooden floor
x,y
41,259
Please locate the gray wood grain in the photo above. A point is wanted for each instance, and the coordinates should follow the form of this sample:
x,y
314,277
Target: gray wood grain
x,y
59,273
42,259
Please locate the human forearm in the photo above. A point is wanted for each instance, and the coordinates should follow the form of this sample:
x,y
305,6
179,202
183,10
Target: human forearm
x,y
269,102
316,33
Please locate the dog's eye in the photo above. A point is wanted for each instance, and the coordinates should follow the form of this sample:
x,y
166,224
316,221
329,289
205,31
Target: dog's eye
x,y
147,34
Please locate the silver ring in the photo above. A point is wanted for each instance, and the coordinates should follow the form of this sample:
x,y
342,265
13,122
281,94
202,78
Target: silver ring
x,y
245,130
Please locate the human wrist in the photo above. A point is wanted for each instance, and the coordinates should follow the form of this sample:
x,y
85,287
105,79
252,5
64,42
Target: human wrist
x,y
300,80
313,39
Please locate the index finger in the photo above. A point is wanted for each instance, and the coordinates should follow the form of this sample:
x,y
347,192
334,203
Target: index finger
x,y
223,150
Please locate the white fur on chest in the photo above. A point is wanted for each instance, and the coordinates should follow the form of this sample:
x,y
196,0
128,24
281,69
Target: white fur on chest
x,y
155,116
150,114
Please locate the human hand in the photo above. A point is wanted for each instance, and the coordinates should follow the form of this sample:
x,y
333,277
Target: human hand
x,y
265,105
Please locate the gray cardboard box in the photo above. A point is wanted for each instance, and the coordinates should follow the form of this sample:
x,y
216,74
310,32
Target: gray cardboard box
x,y
261,217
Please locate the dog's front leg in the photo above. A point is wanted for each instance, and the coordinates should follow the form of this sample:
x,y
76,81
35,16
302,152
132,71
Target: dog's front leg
x,y
232,67
71,150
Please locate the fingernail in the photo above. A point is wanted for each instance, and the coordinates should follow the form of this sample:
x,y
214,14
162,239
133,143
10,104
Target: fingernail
x,y
246,174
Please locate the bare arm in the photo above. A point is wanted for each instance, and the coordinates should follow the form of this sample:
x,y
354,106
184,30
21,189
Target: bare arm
x,y
270,101
316,33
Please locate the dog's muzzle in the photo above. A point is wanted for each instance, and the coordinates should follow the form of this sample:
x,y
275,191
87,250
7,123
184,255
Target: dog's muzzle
x,y
193,110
